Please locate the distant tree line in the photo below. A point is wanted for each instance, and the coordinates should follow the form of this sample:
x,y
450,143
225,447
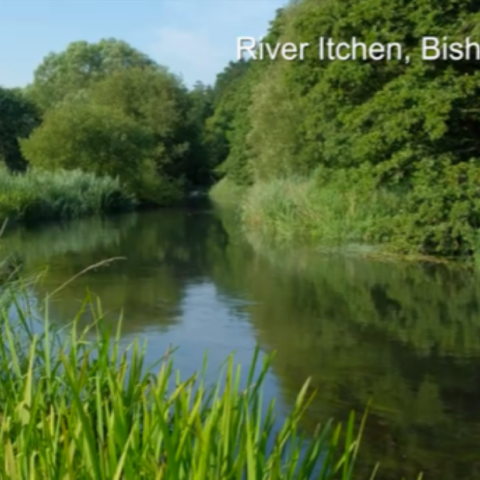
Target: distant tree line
x,y
407,131
109,109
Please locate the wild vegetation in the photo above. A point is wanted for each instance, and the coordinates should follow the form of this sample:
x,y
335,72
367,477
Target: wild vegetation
x,y
109,111
78,405
38,195
373,152
323,153
380,152
403,335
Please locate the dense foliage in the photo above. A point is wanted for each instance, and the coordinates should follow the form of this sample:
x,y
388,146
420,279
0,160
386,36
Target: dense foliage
x,y
108,109
400,137
127,125
18,117
38,196
407,130
65,74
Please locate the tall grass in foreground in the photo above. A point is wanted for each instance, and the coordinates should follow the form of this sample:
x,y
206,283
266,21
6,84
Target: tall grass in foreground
x,y
73,408
40,195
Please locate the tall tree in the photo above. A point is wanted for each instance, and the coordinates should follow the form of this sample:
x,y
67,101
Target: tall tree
x,y
81,64
18,117
228,129
157,101
230,99
129,124
200,162
410,127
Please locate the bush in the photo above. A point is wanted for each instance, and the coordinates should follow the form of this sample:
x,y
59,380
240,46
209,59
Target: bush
x,y
406,129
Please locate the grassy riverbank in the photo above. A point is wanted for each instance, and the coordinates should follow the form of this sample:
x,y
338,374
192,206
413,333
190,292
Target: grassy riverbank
x,y
307,211
381,161
226,192
37,195
76,406
329,210
293,212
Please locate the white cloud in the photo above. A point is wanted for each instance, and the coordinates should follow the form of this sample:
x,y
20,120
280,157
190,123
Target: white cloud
x,y
200,37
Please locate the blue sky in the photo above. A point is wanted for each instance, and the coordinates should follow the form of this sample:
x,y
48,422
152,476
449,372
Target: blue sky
x,y
194,38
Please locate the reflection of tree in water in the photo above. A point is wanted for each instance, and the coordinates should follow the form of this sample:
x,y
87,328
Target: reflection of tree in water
x,y
406,336
163,253
39,245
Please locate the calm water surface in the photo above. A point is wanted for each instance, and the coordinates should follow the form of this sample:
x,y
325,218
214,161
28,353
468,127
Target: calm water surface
x,y
406,336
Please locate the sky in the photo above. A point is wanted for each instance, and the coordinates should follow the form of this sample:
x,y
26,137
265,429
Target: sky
x,y
193,38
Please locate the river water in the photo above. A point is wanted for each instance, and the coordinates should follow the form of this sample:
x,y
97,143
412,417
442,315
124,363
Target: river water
x,y
404,336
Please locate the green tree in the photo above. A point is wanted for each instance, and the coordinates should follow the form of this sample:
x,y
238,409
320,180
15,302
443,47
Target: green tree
x,y
230,125
219,123
18,117
157,101
79,66
199,110
131,124
394,121
227,127
388,113
94,138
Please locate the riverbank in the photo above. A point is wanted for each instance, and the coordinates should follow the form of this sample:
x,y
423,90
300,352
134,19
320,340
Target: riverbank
x,y
75,406
60,195
335,213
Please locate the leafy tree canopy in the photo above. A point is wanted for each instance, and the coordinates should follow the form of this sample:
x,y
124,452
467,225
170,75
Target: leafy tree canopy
x,y
128,124
81,64
18,117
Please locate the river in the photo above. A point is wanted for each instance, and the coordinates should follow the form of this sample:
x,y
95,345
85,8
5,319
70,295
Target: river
x,y
405,336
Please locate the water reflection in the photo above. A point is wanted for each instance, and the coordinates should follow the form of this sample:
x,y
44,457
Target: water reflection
x,y
406,336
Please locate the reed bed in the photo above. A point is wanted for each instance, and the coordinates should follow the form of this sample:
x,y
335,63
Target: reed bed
x,y
316,211
39,195
225,192
77,405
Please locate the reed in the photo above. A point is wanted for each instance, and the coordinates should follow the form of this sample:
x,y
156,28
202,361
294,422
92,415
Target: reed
x,y
316,211
39,195
226,192
77,405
